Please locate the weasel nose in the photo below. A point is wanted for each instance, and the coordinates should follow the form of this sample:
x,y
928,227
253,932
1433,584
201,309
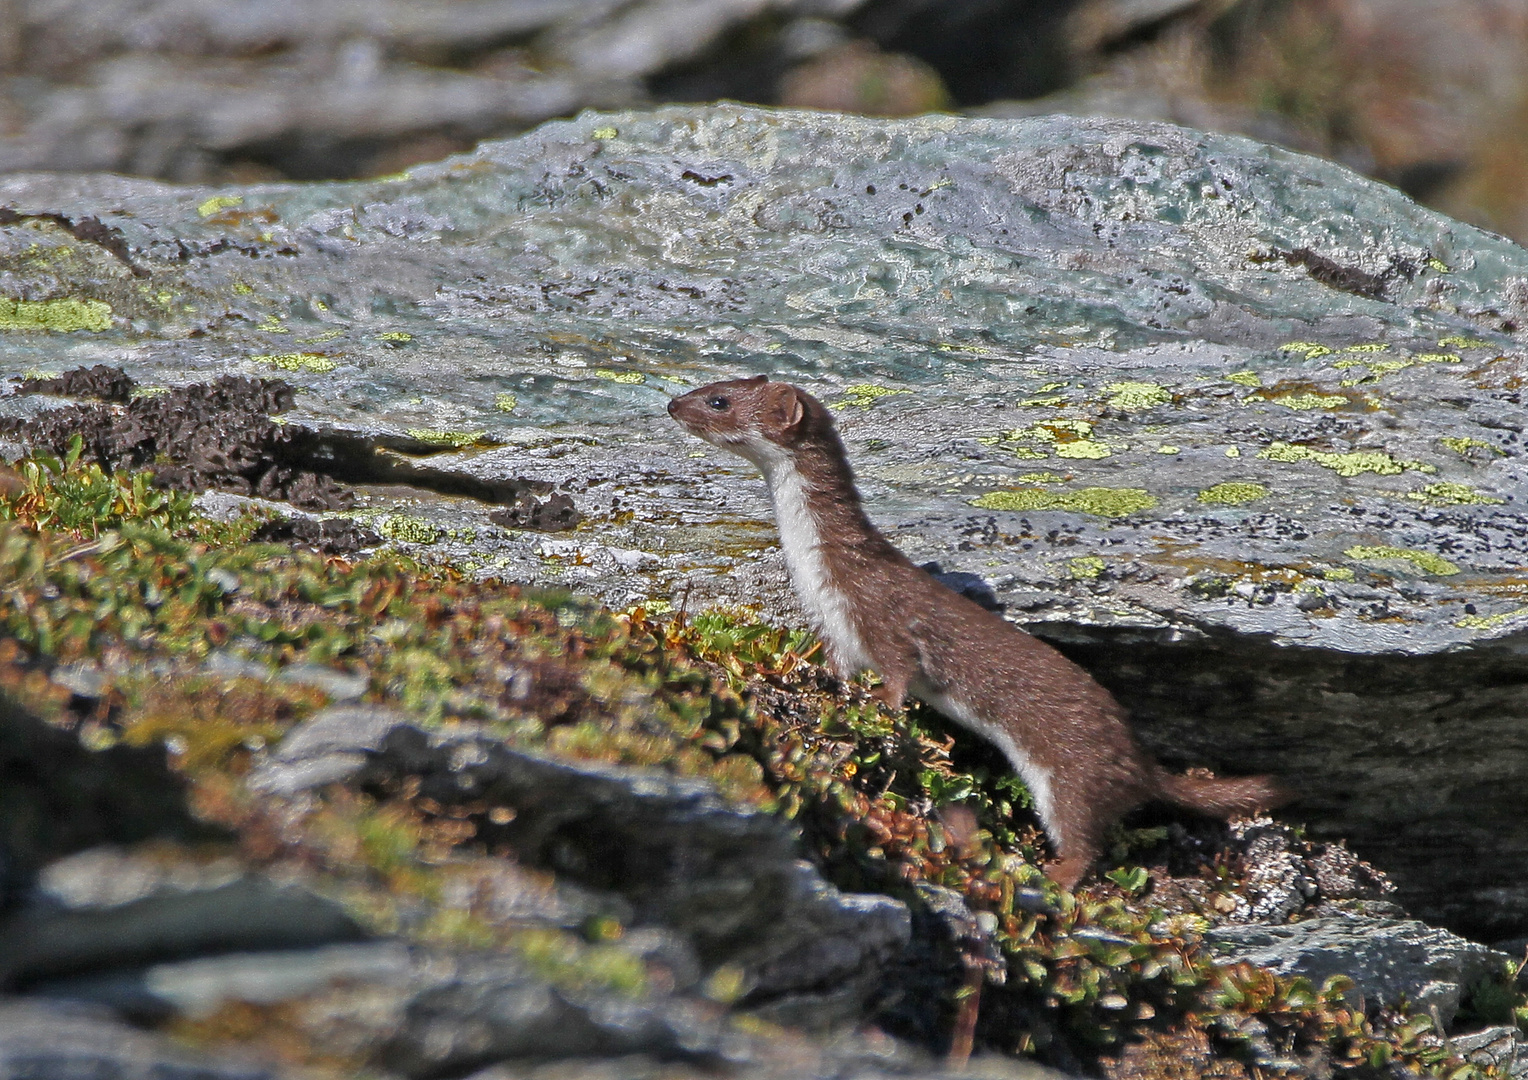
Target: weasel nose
x,y
671,404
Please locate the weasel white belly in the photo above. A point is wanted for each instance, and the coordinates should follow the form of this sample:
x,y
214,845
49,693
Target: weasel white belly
x,y
1035,777
825,604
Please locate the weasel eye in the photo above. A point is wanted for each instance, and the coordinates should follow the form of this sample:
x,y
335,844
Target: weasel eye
x,y
718,403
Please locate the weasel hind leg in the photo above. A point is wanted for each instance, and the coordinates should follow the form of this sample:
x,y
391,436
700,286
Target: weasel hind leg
x,y
1077,820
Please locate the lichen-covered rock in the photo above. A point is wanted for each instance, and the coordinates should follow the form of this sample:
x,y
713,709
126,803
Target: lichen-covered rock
x,y
1389,960
729,881
1238,425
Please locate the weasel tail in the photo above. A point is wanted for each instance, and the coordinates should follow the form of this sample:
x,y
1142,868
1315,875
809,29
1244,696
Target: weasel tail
x,y
1061,731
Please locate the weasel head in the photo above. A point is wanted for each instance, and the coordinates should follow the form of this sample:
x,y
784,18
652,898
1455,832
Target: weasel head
x,y
758,419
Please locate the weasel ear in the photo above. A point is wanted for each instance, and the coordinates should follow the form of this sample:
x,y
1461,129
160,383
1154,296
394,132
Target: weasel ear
x,y
754,380
782,404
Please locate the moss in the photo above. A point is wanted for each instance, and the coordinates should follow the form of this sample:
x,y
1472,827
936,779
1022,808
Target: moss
x,y
1447,494
1086,567
1346,464
505,403
1232,493
1245,378
316,363
1131,396
446,437
409,530
213,205
632,378
62,316
1098,501
1425,561
864,395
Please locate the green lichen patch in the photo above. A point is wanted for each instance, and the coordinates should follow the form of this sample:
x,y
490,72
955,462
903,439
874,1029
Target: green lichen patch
x,y
1459,342
314,363
1444,493
218,203
1349,464
1044,478
1135,396
1245,378
1311,401
61,316
1489,622
1461,444
1165,448
505,403
1067,438
1232,493
1098,501
409,530
630,378
1086,567
864,395
1311,350
449,437
1426,561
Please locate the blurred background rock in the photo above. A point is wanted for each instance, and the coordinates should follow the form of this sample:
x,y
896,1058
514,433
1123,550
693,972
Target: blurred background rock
x,y
1429,95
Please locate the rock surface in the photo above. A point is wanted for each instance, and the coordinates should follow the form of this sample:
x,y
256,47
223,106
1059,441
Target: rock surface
x,y
1224,417
730,882
1389,960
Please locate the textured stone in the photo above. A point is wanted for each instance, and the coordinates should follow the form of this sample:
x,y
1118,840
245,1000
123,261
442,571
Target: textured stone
x,y
1047,341
1387,959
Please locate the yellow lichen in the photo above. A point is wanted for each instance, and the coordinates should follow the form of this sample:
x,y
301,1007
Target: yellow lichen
x,y
1234,451
1368,347
1457,342
1137,395
409,530
1086,567
1311,401
1043,478
1309,349
1425,561
440,437
395,335
1439,358
1462,444
219,202
632,378
505,402
864,395
1348,464
317,363
63,316
1444,493
1488,622
1164,449
1098,501
1233,493
1245,378
604,134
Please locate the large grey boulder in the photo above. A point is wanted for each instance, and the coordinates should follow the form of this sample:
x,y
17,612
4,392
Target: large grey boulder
x,y
1238,425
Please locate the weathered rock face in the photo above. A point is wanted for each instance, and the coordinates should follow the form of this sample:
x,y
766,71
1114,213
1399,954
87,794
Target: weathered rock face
x,y
1238,425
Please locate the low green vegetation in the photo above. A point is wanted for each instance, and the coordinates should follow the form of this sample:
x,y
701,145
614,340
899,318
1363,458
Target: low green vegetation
x,y
108,568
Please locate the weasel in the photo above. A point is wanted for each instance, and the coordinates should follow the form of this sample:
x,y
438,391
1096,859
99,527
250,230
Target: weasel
x,y
1062,732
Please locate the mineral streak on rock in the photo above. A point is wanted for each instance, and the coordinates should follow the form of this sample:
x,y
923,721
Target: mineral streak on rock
x,y
1011,277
